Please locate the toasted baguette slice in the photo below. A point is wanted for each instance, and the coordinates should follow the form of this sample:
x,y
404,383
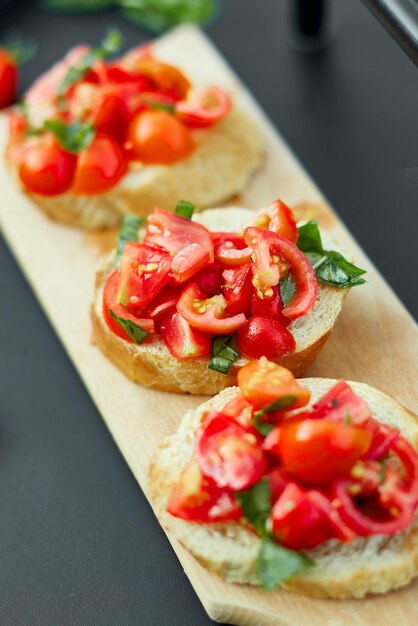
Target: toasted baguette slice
x,y
219,168
342,570
153,366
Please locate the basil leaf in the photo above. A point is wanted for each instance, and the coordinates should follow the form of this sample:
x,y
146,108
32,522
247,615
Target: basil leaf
x,y
157,15
128,231
110,45
160,106
276,563
137,333
330,267
185,209
309,239
74,136
223,353
337,271
264,428
76,6
287,289
281,404
256,505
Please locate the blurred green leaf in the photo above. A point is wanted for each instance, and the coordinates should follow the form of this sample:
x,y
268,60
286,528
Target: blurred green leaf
x,y
77,6
157,15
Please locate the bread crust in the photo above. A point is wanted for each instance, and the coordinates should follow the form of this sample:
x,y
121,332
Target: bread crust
x,y
222,163
365,566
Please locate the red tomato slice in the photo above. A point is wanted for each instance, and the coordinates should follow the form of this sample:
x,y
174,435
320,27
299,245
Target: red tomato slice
x,y
8,79
182,340
237,289
317,451
262,382
271,307
143,273
278,481
271,250
297,522
230,249
240,410
165,77
384,437
110,303
99,167
157,137
262,336
207,314
188,261
196,498
228,453
204,108
173,232
17,124
278,218
210,280
341,402
163,302
46,169
111,115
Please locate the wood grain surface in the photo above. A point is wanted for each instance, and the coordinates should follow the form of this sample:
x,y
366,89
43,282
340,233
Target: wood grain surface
x,y
375,341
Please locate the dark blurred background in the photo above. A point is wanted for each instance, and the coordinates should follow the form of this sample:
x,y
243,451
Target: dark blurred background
x,y
79,544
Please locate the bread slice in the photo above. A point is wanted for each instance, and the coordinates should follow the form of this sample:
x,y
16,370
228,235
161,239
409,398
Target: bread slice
x,y
219,168
153,366
342,570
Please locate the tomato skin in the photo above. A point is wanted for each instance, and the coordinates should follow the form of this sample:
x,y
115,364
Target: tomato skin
x,y
207,314
205,108
45,168
196,498
157,137
277,481
237,290
262,382
163,302
271,307
165,77
182,340
8,79
263,336
230,249
110,302
111,116
229,454
144,271
339,401
173,232
240,410
266,245
296,521
278,218
99,167
188,261
209,279
317,451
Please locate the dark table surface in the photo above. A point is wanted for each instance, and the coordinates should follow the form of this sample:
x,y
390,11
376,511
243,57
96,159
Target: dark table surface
x,y
79,543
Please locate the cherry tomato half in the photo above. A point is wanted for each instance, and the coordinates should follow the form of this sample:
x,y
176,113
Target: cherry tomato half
x,y
317,451
196,498
237,289
278,218
182,340
341,402
188,261
262,382
111,115
173,232
157,137
99,167
8,79
165,77
231,250
204,108
110,304
45,168
229,454
207,314
271,306
263,336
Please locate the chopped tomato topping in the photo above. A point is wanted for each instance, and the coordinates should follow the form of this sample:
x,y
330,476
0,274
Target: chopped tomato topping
x,y
46,169
237,289
240,410
188,261
231,250
263,336
164,301
278,218
99,167
228,453
182,340
269,306
204,108
341,404
207,314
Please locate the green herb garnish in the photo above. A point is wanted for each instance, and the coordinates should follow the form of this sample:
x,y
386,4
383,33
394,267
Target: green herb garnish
x,y
256,505
74,136
185,209
128,231
136,332
287,289
110,45
275,563
157,15
281,404
223,353
161,106
330,267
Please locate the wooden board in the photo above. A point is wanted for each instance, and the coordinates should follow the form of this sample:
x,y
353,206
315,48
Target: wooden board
x,y
375,341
